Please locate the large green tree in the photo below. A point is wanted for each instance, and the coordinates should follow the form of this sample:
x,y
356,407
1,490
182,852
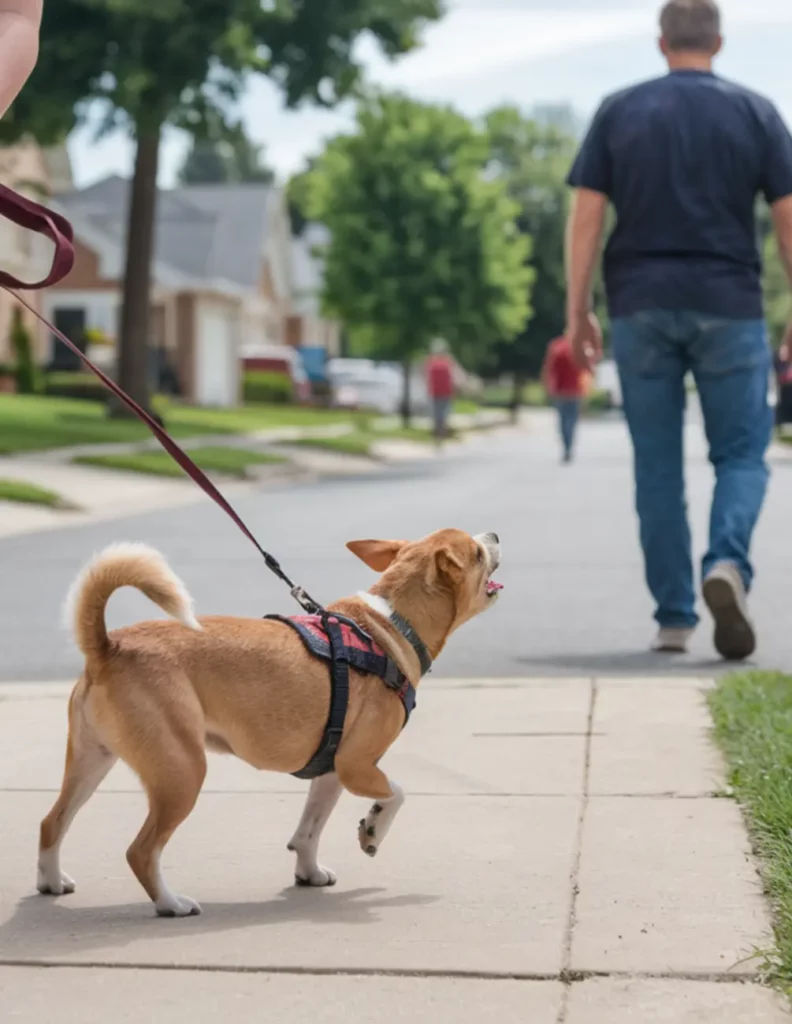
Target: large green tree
x,y
424,244
150,63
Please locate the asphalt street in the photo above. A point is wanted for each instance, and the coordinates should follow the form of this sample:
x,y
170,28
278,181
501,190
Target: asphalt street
x,y
574,602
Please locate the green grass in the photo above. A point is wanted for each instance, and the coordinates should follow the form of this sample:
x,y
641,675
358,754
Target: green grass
x,y
235,462
29,494
32,422
360,441
466,406
753,725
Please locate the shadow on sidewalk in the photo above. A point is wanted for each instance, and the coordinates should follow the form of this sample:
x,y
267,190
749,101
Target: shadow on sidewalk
x,y
43,928
630,663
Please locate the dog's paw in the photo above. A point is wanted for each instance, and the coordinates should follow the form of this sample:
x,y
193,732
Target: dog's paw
x,y
318,877
367,832
55,885
177,906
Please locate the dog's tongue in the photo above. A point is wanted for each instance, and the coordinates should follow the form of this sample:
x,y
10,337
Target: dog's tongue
x,y
493,587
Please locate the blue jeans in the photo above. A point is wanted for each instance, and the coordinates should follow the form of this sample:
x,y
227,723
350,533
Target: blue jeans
x,y
730,361
568,413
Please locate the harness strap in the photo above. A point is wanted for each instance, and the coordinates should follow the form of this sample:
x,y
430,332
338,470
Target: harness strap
x,y
34,217
323,761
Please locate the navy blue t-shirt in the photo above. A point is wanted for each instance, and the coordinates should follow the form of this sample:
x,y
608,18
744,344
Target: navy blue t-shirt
x,y
683,158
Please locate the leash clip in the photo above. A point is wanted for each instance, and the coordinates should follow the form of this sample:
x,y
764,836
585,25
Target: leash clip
x,y
305,601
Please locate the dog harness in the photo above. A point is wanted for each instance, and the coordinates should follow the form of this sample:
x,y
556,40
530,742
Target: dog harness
x,y
343,644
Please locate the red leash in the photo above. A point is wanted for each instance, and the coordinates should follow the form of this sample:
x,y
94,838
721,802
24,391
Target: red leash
x,y
33,217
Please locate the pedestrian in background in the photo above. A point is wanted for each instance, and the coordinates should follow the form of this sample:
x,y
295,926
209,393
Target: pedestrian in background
x,y
440,385
565,385
682,159
20,21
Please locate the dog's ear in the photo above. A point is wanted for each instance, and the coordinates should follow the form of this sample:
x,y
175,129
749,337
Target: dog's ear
x,y
448,563
377,554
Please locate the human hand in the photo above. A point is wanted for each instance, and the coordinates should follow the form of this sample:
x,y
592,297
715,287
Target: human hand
x,y
584,335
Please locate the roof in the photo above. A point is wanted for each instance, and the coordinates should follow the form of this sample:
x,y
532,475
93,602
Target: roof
x,y
206,232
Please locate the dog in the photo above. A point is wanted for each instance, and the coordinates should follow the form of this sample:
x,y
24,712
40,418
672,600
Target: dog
x,y
159,694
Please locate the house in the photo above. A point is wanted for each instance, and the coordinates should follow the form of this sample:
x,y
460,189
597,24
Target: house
x,y
34,172
221,279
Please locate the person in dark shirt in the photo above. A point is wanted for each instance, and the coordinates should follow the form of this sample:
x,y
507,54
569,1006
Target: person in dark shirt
x,y
682,160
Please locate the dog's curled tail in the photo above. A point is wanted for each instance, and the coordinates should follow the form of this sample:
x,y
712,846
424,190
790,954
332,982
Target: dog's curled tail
x,y
123,565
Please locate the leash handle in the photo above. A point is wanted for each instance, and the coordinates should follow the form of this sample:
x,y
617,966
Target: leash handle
x,y
34,217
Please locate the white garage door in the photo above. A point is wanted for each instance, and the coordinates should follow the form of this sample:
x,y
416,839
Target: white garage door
x,y
217,369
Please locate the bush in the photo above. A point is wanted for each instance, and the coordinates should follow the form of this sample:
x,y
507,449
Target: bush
x,y
73,384
599,401
27,375
261,386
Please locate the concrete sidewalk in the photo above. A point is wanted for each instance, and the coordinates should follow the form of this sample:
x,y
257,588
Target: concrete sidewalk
x,y
562,857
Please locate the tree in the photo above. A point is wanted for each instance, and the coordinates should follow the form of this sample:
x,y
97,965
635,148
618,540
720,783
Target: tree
x,y
532,159
228,159
422,244
148,63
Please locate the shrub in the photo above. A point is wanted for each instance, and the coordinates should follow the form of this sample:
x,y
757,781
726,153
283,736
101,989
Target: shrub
x,y
73,384
261,386
27,375
599,401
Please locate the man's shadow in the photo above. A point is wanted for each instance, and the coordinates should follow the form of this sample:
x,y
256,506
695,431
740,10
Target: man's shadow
x,y
47,928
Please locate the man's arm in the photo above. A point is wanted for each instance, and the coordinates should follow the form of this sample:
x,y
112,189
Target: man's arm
x,y
583,243
782,222
20,21
585,228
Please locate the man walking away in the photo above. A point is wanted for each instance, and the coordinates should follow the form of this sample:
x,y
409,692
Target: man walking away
x,y
682,159
440,384
563,382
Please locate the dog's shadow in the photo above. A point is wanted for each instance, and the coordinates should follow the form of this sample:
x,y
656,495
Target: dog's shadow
x,y
44,928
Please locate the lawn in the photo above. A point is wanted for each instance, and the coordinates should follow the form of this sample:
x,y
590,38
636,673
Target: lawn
x,y
753,725
236,462
359,442
31,422
28,494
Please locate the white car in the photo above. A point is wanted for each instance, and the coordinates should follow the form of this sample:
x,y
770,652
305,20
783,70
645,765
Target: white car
x,y
364,384
606,378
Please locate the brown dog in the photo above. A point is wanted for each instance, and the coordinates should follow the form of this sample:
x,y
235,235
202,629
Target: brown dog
x,y
159,694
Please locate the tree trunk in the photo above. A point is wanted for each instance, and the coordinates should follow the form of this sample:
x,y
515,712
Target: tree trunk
x,y
517,396
133,347
406,405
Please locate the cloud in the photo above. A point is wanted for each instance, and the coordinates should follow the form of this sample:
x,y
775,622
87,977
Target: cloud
x,y
491,51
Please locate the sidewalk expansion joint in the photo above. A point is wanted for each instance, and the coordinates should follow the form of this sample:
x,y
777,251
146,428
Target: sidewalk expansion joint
x,y
576,858
564,977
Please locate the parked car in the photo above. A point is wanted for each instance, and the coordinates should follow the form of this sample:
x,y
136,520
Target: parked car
x,y
365,384
279,359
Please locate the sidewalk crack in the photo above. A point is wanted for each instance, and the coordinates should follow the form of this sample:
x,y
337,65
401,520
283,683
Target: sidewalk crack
x,y
567,974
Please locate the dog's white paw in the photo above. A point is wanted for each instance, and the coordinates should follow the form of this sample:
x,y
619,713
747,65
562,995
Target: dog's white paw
x,y
317,876
367,832
59,884
177,906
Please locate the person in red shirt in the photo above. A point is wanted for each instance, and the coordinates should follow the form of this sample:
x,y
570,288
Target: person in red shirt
x,y
440,385
565,385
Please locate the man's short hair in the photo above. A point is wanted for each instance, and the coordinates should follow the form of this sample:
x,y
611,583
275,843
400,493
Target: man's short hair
x,y
693,25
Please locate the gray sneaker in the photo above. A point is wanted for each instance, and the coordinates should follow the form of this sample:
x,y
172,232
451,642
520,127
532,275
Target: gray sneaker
x,y
672,640
724,594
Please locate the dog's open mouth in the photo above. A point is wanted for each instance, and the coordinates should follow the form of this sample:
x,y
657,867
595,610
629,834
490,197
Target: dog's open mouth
x,y
493,588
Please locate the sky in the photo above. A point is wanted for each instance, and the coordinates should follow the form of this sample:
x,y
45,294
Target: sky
x,y
489,52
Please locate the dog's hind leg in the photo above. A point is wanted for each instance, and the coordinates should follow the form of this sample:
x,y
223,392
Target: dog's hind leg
x,y
322,798
173,781
87,763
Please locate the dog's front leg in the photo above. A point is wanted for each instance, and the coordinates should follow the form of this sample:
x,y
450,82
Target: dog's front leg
x,y
322,798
